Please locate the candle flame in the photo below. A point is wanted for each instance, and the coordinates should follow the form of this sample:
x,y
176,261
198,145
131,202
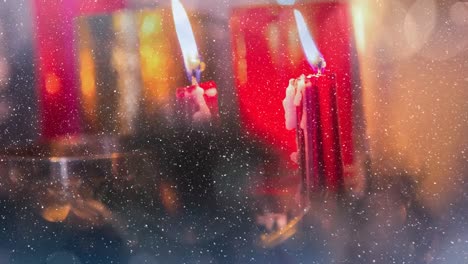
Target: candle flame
x,y
313,55
187,41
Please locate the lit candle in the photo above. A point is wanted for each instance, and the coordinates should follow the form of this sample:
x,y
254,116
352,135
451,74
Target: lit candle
x,y
311,99
199,100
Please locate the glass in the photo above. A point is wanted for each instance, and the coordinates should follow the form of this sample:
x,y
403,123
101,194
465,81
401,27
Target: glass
x,y
96,168
76,187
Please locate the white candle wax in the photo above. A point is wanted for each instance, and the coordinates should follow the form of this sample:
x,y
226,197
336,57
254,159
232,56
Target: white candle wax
x,y
289,106
203,113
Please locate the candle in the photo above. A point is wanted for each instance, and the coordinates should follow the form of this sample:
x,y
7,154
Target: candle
x,y
313,161
324,167
193,105
310,107
312,100
198,102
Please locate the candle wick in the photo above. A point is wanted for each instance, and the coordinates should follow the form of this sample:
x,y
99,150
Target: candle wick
x,y
194,81
320,66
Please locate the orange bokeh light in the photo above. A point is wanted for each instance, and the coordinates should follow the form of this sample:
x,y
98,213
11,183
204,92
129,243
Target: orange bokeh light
x,y
52,83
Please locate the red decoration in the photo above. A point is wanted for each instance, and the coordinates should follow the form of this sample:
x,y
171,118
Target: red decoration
x,y
56,68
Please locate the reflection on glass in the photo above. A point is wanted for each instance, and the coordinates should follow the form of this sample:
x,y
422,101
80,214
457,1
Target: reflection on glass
x,y
410,55
157,52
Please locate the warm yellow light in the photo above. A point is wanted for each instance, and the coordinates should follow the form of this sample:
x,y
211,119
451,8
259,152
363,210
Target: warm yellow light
x,y
150,24
56,213
242,64
156,59
272,36
87,73
169,198
358,11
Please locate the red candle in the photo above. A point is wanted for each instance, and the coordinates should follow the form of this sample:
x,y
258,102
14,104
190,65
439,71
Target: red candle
x,y
313,100
312,148
324,162
318,139
195,100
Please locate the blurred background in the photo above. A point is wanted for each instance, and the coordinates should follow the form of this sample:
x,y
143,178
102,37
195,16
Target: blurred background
x,y
92,72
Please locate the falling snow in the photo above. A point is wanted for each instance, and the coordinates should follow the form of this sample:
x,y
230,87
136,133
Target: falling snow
x,y
125,139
